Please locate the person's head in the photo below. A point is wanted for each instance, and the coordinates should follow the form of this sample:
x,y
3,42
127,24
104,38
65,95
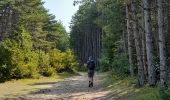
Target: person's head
x,y
90,58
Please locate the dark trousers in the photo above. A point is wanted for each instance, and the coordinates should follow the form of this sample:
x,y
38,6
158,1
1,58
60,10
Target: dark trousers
x,y
90,75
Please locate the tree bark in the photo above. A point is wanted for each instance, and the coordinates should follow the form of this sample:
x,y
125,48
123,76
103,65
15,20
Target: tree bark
x,y
149,44
129,41
162,47
168,35
143,43
137,45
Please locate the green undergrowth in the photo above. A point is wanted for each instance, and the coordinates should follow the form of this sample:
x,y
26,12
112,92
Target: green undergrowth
x,y
125,88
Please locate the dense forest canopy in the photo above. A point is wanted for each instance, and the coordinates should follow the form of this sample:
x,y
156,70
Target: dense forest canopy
x,y
98,30
128,37
32,42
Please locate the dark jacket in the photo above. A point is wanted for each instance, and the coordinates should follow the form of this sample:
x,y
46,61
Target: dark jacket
x,y
90,65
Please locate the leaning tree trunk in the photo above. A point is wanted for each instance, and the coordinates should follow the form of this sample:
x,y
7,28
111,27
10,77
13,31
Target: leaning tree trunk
x,y
149,44
137,45
162,47
129,41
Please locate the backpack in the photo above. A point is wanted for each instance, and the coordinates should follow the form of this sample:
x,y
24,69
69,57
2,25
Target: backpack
x,y
91,65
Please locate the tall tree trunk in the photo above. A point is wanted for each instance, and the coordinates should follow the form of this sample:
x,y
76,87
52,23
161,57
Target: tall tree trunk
x,y
137,45
149,44
162,47
143,43
129,41
168,35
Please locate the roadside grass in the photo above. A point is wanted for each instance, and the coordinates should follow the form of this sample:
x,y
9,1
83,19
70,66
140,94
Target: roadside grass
x,y
125,88
25,86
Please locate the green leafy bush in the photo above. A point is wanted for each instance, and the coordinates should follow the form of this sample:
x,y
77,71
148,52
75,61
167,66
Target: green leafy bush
x,y
17,63
120,63
44,64
49,71
17,60
5,58
43,61
56,59
104,64
70,61
63,61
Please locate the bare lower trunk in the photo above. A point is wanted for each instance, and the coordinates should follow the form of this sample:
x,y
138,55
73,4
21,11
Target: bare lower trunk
x,y
149,44
143,44
144,55
129,41
162,47
168,34
137,45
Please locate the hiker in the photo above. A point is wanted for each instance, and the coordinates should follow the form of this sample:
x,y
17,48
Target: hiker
x,y
90,67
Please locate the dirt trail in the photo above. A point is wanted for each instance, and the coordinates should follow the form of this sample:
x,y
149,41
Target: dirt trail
x,y
73,88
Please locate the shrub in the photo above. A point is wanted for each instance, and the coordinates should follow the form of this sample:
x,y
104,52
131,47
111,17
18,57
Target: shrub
x,y
49,71
44,65
32,64
70,61
24,65
56,60
18,60
63,61
7,51
24,60
164,94
104,63
120,63
17,63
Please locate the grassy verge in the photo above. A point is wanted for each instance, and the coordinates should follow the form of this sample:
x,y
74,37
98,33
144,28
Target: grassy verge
x,y
125,89
25,86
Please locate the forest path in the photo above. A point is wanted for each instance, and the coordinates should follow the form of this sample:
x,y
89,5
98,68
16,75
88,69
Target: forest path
x,y
73,88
